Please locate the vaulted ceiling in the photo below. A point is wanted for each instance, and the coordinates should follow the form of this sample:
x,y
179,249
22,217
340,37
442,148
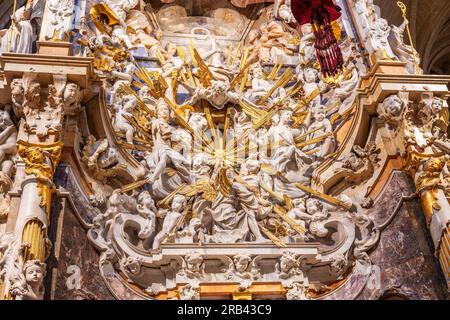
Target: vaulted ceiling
x,y
430,28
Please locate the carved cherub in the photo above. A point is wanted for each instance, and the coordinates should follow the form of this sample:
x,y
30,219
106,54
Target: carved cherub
x,y
307,51
318,215
288,266
147,210
242,268
123,111
301,217
391,111
321,127
193,266
171,218
260,85
30,284
285,13
312,87
72,99
218,94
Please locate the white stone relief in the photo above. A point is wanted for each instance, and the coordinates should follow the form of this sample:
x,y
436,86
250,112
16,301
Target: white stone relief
x,y
199,214
61,12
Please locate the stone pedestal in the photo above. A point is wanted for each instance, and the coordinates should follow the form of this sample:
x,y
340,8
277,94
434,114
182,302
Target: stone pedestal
x,y
55,48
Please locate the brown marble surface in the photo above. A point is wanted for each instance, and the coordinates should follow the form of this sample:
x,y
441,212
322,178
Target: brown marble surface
x,y
404,253
74,249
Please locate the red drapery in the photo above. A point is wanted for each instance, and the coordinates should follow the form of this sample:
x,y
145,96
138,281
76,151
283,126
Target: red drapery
x,y
303,10
320,13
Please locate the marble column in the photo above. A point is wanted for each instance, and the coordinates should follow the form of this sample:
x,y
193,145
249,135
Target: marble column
x,y
427,170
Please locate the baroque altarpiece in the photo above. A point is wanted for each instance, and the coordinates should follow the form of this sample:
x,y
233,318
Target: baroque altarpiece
x,y
195,149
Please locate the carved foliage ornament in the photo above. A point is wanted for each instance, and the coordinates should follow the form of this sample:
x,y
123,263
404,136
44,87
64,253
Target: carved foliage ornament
x,y
41,161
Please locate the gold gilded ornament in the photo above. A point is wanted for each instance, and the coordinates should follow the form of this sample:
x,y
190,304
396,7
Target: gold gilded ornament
x,y
41,161
103,16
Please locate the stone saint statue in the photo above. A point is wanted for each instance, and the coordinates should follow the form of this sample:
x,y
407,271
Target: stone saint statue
x,y
20,36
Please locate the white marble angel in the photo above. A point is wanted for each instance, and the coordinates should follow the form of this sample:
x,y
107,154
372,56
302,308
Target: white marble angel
x,y
147,210
307,51
163,154
321,128
300,216
285,157
261,86
171,218
123,109
346,90
193,266
121,8
72,96
312,87
234,217
218,94
318,215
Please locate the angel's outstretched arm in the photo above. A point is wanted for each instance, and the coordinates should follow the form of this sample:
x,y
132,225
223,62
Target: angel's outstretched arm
x,y
196,95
